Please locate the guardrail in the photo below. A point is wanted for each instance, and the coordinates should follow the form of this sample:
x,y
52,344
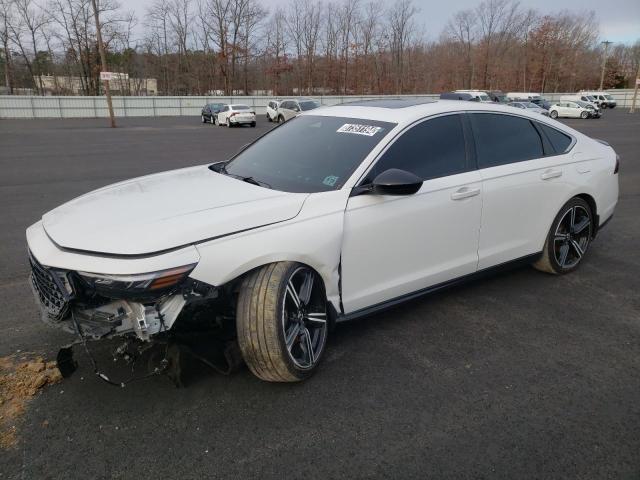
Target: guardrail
x,y
15,106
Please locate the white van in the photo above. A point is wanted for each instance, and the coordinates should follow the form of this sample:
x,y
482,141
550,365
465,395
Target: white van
x,y
605,100
513,96
479,95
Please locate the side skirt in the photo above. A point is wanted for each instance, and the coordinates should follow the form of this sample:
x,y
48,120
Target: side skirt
x,y
528,259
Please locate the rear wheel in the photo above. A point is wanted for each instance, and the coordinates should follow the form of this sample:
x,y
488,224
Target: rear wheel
x,y
584,115
568,238
269,119
280,119
253,124
203,119
212,120
282,321
553,114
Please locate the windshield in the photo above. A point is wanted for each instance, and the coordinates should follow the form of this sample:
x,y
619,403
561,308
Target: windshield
x,y
485,98
308,105
309,153
608,97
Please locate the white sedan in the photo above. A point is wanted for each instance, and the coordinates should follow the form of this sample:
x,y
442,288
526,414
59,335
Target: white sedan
x,y
569,110
236,114
386,201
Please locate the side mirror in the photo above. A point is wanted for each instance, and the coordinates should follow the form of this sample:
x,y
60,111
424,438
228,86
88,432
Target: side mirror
x,y
396,182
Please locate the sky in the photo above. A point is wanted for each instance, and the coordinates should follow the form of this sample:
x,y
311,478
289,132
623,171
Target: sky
x,y
619,19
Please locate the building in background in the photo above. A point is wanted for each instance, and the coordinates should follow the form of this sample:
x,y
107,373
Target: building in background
x,y
72,85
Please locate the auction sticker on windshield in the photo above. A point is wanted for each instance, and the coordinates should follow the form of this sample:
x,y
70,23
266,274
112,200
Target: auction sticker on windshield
x,y
368,130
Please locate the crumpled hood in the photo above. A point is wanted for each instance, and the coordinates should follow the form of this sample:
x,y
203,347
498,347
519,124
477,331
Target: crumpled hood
x,y
166,210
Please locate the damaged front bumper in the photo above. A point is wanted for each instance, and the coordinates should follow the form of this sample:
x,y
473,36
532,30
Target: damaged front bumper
x,y
70,302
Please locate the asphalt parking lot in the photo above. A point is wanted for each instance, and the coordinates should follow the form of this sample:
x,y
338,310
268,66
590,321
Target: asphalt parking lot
x,y
522,375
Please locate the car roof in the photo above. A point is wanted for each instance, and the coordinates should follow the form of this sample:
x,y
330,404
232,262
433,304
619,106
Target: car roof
x,y
389,103
409,114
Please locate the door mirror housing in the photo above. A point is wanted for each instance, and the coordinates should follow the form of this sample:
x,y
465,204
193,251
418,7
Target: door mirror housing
x,y
396,182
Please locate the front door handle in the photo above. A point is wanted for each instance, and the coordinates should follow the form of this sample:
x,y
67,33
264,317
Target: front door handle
x,y
465,192
549,174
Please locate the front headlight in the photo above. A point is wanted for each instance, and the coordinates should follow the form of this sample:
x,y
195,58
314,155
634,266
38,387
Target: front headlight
x,y
150,284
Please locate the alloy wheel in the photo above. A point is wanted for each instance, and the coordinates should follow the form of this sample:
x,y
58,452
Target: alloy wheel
x,y
304,318
572,236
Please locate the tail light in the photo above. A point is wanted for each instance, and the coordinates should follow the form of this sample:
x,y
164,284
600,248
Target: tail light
x,y
615,170
234,113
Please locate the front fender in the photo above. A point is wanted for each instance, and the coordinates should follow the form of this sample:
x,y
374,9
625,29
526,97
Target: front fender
x,y
314,238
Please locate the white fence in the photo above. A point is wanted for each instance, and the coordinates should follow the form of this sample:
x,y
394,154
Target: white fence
x,y
12,106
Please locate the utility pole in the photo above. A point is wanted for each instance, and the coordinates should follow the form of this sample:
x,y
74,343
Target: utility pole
x,y
604,62
635,91
103,59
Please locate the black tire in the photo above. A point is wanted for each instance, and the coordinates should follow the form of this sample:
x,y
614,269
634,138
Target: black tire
x,y
568,239
269,119
553,114
280,119
274,335
204,120
228,124
584,115
253,124
212,120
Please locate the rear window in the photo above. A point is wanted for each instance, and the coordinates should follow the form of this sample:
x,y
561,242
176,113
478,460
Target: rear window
x,y
240,107
502,139
309,153
559,140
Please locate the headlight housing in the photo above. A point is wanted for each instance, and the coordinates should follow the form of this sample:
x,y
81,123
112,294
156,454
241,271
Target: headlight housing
x,y
144,285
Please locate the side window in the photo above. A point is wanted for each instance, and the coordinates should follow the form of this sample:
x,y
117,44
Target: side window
x,y
503,139
226,108
433,148
559,140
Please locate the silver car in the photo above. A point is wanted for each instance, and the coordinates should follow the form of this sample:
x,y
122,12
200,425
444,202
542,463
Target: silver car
x,y
292,108
530,107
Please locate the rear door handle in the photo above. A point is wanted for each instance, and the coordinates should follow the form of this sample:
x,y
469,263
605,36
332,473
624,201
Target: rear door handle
x,y
549,174
465,192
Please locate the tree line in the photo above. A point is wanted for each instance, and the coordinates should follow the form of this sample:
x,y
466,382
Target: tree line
x,y
205,47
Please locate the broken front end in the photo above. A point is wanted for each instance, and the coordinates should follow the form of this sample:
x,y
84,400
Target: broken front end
x,y
165,307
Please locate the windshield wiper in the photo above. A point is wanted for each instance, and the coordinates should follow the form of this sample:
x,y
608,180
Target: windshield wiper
x,y
253,181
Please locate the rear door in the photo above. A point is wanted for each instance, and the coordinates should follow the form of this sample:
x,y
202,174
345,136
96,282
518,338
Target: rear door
x,y
523,186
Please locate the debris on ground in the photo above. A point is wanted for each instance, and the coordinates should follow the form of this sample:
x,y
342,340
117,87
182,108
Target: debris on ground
x,y
21,378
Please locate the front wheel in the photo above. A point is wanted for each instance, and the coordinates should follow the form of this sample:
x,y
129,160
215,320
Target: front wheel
x,y
584,115
269,119
553,114
568,238
282,321
280,119
204,120
253,124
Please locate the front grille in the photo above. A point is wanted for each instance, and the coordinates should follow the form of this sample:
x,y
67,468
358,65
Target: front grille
x,y
49,290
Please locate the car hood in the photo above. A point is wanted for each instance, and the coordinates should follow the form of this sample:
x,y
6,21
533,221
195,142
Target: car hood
x,y
160,212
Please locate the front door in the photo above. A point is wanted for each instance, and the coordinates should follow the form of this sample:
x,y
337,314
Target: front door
x,y
397,245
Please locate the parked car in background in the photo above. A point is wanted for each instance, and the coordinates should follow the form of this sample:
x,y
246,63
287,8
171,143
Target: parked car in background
x,y
579,97
542,103
569,110
498,96
458,96
530,107
210,112
531,96
479,95
594,111
605,100
272,110
292,108
329,218
237,114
